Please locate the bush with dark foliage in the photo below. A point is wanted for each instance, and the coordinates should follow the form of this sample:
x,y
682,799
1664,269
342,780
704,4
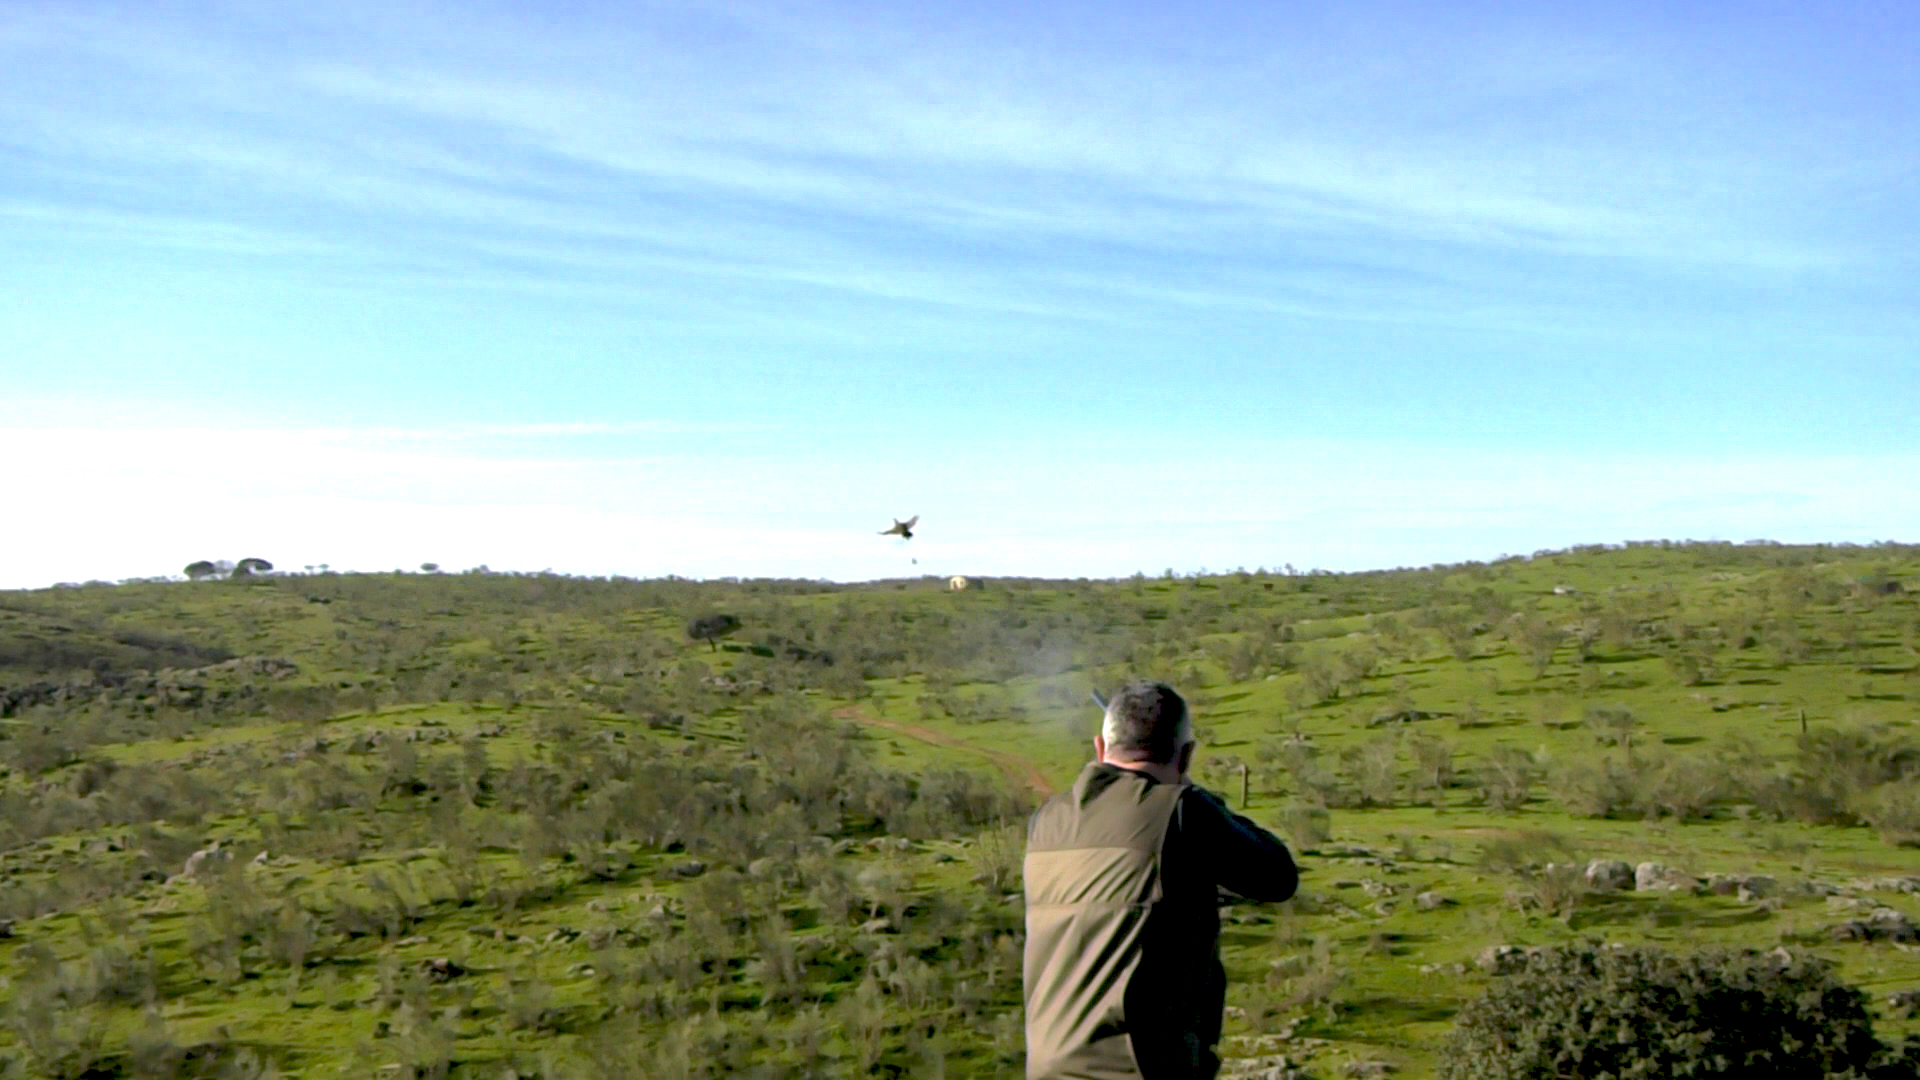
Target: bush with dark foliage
x,y
1628,1013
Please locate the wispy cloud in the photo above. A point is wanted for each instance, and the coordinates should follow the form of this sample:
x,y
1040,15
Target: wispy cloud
x,y
869,161
784,265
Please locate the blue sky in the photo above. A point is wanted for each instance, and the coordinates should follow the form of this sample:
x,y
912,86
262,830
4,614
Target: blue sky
x,y
719,289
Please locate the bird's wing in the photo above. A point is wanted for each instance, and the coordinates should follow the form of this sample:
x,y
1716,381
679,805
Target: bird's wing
x,y
912,521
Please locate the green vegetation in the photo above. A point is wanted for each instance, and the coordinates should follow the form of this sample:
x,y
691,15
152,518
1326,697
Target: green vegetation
x,y
456,824
1639,1012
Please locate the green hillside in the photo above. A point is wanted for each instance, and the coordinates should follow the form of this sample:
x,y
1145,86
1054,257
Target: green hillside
x,y
531,825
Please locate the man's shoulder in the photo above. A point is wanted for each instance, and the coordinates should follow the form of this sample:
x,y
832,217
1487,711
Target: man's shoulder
x,y
1194,796
1102,799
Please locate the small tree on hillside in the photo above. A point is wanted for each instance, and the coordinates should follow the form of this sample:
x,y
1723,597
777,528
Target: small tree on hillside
x,y
199,571
1614,724
711,628
1433,766
1539,637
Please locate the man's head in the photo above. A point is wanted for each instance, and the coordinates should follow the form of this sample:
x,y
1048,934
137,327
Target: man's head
x,y
1147,728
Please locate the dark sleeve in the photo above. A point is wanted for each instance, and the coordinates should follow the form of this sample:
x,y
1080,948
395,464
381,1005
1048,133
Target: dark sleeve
x,y
1241,856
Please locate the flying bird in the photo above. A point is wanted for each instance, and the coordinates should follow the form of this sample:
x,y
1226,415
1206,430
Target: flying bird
x,y
902,529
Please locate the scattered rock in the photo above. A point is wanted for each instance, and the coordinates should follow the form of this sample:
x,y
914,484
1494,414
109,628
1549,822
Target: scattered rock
x,y
1430,901
1652,876
440,969
1369,1069
1891,925
1904,1002
201,861
1505,959
1887,884
1747,887
1377,888
1882,924
690,869
1647,874
6,929
1269,1043
1269,1067
1403,716
1609,875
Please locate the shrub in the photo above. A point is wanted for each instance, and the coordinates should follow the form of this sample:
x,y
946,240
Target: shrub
x,y
1834,767
1305,827
1558,889
1523,852
1681,787
1508,777
1368,768
1893,810
1433,766
1592,1010
1614,725
1595,789
995,857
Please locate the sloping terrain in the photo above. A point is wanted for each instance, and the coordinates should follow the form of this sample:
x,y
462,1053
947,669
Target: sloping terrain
x,y
429,824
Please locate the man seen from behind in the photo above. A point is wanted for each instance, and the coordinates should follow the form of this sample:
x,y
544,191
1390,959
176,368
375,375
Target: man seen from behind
x,y
1122,971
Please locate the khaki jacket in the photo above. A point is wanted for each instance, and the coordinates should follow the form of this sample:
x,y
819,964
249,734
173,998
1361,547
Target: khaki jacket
x,y
1122,974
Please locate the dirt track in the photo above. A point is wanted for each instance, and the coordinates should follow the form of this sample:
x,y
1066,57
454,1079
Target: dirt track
x,y
1019,772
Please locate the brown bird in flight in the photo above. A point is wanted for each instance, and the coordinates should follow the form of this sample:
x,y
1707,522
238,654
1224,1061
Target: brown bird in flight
x,y
902,529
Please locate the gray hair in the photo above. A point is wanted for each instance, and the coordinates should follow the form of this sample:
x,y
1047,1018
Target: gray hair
x,y
1147,721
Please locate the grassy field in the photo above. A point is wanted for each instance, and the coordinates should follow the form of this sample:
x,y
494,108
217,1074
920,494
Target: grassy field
x,y
478,823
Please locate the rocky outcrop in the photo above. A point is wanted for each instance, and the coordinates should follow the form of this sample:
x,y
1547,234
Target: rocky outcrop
x,y
1653,876
1608,875
1881,924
